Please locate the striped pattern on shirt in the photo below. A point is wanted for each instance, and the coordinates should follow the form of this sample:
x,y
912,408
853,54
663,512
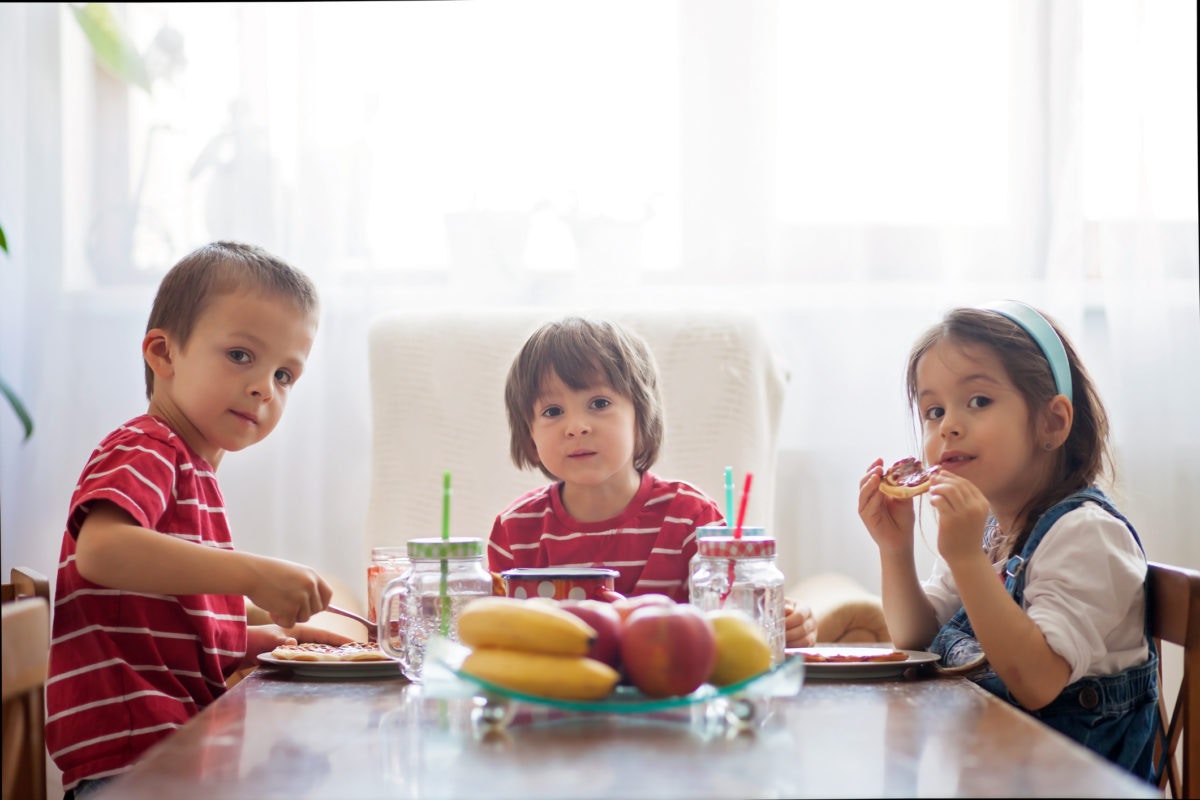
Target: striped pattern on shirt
x,y
126,668
650,544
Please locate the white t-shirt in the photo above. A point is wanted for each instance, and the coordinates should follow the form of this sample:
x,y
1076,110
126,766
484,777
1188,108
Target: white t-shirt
x,y
1084,588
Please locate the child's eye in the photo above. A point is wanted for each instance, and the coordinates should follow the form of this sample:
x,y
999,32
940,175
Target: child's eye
x,y
283,377
239,356
601,402
933,412
551,411
979,401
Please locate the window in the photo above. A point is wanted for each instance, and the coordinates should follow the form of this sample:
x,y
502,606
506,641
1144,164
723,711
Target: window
x,y
515,146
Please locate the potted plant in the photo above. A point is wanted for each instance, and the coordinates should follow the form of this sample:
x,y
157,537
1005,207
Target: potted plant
x,y
115,51
15,402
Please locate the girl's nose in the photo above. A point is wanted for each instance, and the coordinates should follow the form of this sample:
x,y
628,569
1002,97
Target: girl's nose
x,y
951,428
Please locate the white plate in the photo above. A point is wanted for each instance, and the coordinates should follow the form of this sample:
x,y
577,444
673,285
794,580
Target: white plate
x,y
335,670
856,670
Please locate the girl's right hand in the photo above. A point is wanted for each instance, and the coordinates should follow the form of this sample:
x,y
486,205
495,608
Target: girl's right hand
x,y
289,592
889,520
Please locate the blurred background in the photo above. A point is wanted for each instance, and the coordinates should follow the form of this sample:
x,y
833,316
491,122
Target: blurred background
x,y
848,170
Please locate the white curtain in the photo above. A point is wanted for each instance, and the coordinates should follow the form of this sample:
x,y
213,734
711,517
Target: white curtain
x,y
850,169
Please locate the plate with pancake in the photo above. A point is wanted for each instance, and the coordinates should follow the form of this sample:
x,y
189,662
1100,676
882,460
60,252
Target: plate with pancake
x,y
335,670
847,662
351,660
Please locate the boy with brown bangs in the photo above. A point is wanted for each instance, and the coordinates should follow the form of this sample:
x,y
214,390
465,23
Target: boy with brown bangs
x,y
584,407
150,616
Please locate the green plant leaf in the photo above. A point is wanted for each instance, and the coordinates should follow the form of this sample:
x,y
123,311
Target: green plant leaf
x,y
18,407
112,47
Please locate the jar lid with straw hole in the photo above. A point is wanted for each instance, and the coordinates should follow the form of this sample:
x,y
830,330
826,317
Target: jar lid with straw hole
x,y
452,547
733,547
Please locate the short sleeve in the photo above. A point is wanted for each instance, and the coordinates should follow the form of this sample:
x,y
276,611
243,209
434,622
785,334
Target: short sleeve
x,y
136,473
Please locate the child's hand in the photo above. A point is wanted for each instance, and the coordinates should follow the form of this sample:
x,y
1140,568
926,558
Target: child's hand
x,y
315,633
889,521
290,593
962,514
265,638
799,625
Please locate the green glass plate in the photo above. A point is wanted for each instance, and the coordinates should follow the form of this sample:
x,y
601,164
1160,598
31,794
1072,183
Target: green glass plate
x,y
443,678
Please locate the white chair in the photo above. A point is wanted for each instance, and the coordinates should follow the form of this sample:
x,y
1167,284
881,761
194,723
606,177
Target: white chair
x,y
437,399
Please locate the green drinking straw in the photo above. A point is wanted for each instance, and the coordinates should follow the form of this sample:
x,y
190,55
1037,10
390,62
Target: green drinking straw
x,y
445,564
445,505
728,496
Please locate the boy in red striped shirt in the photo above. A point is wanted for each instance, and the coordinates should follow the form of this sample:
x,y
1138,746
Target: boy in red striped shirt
x,y
584,407
150,617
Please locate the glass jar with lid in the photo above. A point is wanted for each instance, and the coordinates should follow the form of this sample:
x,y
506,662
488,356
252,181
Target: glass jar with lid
x,y
714,529
740,573
446,575
386,564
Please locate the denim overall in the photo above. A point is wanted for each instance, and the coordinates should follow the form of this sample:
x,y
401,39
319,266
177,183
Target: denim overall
x,y
1114,715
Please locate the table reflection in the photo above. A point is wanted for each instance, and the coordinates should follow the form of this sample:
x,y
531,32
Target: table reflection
x,y
278,736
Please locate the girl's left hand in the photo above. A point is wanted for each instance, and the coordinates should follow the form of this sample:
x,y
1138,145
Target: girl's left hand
x,y
962,514
799,625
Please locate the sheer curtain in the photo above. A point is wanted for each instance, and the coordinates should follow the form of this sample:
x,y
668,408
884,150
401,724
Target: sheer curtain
x,y
851,170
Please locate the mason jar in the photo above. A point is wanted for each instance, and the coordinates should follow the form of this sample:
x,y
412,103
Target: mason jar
x,y
741,573
386,564
446,575
714,529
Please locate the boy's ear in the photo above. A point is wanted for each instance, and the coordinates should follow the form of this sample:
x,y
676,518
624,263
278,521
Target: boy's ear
x,y
1057,418
156,349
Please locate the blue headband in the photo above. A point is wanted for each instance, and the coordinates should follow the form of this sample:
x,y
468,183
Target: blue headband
x,y
1043,335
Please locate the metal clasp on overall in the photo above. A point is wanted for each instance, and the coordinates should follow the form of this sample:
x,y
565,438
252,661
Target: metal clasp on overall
x,y
1013,567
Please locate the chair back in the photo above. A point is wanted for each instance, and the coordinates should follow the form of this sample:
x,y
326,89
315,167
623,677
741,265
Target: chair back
x,y
26,657
437,399
1175,618
26,582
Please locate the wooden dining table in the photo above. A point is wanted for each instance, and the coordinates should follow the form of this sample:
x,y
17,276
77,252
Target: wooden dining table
x,y
279,734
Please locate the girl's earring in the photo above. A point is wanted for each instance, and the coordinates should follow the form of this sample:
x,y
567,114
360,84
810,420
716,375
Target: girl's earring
x,y
1048,446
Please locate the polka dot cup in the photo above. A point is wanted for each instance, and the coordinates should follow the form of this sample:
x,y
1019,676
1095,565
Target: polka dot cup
x,y
561,583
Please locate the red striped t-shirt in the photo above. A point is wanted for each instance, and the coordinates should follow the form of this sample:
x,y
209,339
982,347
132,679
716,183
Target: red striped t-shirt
x,y
650,543
128,668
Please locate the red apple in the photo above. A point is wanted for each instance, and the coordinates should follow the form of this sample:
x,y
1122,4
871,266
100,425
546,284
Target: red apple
x,y
627,605
668,651
607,622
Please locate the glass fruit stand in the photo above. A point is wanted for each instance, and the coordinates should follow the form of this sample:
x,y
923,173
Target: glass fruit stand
x,y
738,706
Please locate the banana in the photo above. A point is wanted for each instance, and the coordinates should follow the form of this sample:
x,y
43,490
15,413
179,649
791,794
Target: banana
x,y
542,674
513,624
